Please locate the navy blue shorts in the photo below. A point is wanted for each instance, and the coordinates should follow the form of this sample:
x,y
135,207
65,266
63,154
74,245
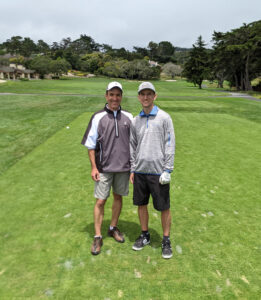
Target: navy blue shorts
x,y
146,185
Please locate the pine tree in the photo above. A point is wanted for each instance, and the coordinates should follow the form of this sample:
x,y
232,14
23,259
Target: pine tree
x,y
196,69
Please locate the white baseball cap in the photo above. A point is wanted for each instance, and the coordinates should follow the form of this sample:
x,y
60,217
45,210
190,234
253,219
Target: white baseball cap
x,y
145,86
114,84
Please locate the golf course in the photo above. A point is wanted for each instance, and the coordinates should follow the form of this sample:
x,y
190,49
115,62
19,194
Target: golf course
x,y
46,197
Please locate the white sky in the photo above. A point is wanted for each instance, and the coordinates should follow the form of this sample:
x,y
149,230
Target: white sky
x,y
125,23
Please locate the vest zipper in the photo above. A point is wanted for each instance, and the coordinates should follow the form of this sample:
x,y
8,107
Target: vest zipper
x,y
100,152
116,125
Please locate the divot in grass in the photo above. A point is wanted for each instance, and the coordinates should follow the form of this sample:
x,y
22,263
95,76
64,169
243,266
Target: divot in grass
x,y
137,274
108,252
120,293
48,292
67,215
243,277
210,214
179,249
228,283
218,289
2,272
68,265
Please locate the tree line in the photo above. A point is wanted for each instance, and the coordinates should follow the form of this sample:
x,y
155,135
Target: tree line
x,y
84,54
234,57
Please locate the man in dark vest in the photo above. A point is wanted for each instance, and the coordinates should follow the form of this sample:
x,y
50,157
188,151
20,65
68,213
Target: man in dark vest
x,y
107,139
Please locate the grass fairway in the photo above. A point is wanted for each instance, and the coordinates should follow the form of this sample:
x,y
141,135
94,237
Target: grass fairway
x,y
46,199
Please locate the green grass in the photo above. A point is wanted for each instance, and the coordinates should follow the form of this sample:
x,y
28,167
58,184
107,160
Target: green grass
x,y
215,200
95,86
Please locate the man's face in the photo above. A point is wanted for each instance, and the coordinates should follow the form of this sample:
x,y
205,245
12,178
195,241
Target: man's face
x,y
146,98
114,97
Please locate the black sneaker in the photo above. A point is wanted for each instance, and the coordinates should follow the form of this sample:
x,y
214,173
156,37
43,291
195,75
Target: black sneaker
x,y
142,240
166,249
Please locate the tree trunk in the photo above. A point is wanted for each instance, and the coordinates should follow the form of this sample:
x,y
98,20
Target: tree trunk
x,y
242,81
220,83
220,79
248,86
236,82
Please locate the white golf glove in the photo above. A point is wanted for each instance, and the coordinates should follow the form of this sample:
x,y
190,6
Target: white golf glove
x,y
164,178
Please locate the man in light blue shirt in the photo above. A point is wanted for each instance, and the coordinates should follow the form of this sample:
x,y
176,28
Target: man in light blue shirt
x,y
152,149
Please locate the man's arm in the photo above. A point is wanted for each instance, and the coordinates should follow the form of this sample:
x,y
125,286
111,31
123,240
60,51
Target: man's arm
x,y
133,146
94,173
169,145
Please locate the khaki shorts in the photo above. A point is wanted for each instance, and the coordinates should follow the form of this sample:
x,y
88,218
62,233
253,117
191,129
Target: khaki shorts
x,y
118,181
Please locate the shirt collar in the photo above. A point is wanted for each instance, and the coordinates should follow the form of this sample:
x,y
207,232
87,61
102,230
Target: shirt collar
x,y
106,108
153,112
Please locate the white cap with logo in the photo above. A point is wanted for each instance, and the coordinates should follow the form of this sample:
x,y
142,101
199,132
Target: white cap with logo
x,y
114,84
146,86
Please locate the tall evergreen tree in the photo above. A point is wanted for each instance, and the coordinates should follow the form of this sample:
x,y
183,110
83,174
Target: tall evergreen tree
x,y
196,69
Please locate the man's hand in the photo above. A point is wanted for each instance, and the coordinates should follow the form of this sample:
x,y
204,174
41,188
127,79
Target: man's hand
x,y
132,178
164,178
95,174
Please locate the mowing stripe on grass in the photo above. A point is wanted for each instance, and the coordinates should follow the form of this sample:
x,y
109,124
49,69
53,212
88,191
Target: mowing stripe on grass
x,y
47,224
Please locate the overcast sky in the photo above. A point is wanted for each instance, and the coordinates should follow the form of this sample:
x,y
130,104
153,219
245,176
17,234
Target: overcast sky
x,y
125,23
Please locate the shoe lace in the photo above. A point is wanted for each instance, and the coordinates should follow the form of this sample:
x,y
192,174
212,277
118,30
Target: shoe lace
x,y
140,238
117,230
97,241
166,244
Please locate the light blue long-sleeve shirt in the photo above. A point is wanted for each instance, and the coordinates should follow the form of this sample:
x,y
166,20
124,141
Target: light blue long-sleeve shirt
x,y
152,143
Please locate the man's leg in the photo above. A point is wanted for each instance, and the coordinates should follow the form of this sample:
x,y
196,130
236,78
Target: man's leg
x,y
144,238
98,215
116,211
144,217
141,196
166,222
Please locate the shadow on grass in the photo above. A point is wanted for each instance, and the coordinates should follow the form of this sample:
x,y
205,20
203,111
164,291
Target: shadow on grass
x,y
131,231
